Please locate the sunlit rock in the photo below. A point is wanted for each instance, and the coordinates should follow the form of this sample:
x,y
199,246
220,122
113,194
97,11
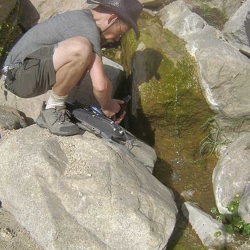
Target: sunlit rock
x,y
211,232
82,192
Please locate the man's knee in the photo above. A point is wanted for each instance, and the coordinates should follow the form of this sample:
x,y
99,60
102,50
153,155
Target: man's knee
x,y
77,50
81,49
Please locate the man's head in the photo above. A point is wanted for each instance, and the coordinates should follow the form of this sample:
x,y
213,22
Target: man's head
x,y
127,10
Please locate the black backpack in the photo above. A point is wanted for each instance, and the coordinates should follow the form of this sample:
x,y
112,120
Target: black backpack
x,y
93,120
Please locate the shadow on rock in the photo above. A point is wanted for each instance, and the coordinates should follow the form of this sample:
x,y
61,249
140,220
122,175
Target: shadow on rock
x,y
247,26
163,172
29,15
140,126
147,63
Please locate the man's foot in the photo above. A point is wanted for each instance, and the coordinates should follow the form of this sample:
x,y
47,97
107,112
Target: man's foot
x,y
57,121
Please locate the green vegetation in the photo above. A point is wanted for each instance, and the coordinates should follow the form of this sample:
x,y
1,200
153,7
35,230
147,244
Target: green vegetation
x,y
233,222
212,140
113,52
212,16
215,133
167,74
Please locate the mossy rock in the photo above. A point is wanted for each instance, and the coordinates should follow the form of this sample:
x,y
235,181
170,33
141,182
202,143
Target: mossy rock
x,y
170,111
165,75
213,12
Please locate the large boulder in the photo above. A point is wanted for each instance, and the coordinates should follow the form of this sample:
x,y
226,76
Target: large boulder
x,y
12,235
224,72
212,7
38,10
81,192
244,206
10,118
232,172
229,7
189,26
237,29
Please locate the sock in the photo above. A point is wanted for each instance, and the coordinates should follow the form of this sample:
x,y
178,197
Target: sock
x,y
55,101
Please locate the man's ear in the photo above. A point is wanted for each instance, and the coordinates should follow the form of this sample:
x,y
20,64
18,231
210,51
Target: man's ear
x,y
112,18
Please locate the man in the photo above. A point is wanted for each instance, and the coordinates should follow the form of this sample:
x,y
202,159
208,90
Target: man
x,y
56,53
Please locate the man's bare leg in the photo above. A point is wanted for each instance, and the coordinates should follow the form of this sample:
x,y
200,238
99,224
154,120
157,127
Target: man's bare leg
x,y
71,60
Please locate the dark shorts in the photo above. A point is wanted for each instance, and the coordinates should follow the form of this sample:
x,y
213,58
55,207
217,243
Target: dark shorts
x,y
35,76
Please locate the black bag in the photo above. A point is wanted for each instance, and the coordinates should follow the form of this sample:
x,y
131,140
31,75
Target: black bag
x,y
93,120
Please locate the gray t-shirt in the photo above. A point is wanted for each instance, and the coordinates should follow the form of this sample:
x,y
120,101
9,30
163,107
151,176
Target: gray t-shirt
x,y
54,30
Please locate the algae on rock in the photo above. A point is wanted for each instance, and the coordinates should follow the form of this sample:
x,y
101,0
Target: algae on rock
x,y
164,76
169,109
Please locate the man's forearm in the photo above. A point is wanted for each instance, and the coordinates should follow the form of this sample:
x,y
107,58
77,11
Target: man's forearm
x,y
102,87
103,94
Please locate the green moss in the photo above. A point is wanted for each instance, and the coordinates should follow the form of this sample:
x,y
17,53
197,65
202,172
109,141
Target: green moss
x,y
113,52
171,111
154,37
233,222
9,32
213,16
168,84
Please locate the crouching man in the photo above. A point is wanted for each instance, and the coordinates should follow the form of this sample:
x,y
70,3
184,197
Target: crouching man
x,y
56,53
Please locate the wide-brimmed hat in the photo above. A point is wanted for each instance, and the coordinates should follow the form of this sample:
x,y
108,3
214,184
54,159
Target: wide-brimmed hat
x,y
127,10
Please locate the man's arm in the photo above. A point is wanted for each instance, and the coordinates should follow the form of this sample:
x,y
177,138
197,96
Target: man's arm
x,y
102,87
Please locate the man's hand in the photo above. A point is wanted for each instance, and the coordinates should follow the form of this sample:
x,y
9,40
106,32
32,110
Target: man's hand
x,y
120,118
113,109
102,90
